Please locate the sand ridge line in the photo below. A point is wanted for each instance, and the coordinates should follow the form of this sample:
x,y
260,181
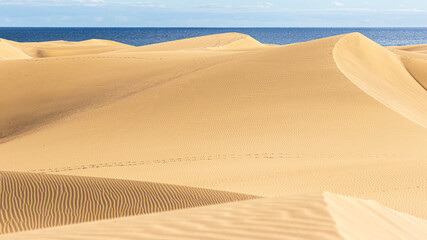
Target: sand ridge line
x,y
416,67
117,98
227,59
315,216
217,157
47,59
31,201
291,217
364,62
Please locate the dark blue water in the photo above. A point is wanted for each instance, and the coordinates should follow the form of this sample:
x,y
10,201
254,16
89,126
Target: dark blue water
x,y
144,36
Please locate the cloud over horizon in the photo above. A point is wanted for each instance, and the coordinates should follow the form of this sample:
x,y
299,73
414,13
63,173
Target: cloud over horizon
x,y
221,13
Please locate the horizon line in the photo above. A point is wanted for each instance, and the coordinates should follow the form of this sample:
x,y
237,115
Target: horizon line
x,y
201,27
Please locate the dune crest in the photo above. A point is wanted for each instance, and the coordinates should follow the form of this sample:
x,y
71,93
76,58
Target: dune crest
x,y
225,41
286,117
324,216
358,219
64,49
30,201
415,61
382,75
9,52
225,112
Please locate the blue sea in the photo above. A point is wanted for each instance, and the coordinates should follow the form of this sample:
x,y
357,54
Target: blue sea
x,y
144,36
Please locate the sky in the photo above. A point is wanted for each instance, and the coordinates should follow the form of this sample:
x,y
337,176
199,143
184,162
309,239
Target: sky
x,y
213,13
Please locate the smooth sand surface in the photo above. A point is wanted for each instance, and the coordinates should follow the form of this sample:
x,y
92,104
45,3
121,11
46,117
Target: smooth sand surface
x,y
310,216
226,41
415,59
380,74
64,48
224,112
9,51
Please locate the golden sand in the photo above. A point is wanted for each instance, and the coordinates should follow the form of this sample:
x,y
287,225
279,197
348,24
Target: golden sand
x,y
223,115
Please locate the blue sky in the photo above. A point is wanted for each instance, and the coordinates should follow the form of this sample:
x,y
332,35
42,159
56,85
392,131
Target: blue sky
x,y
214,13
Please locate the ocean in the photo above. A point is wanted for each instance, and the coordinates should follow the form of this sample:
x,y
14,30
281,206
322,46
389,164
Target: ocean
x,y
144,36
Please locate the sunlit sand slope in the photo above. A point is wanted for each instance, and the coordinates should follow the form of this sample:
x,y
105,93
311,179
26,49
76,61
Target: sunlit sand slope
x,y
30,201
8,51
268,121
415,60
64,48
358,219
36,92
422,48
226,41
382,75
304,217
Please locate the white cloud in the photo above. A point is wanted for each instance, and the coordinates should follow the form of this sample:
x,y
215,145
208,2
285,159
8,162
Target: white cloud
x,y
213,5
145,4
357,10
408,10
258,6
54,2
339,4
122,18
264,5
90,3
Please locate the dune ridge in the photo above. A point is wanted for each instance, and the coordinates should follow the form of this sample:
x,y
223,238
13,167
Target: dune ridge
x,y
229,118
9,52
321,216
286,117
30,201
65,48
415,61
381,75
225,41
61,80
358,219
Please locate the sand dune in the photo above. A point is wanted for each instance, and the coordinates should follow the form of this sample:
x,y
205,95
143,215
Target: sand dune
x,y
64,48
31,201
69,84
60,51
304,120
415,61
8,51
411,48
221,112
226,41
380,74
311,217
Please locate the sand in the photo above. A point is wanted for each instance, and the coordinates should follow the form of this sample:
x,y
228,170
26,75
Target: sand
x,y
222,114
31,200
9,51
324,216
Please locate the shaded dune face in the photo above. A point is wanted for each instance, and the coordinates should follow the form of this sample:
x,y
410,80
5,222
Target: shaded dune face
x,y
223,112
317,216
415,61
31,201
72,84
381,74
74,76
418,69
